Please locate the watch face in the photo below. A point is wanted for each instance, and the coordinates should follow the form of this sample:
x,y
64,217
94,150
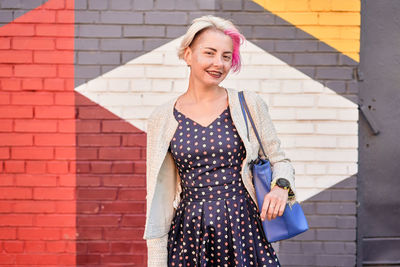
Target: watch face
x,y
282,182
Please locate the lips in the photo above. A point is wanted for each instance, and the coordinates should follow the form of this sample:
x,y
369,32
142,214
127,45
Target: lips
x,y
215,74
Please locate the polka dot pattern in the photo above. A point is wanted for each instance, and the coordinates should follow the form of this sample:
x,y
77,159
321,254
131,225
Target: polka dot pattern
x,y
216,222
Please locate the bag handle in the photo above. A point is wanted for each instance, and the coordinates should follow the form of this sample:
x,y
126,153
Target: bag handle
x,y
245,110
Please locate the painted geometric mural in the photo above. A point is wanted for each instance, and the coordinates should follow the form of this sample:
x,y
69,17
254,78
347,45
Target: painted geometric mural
x,y
79,79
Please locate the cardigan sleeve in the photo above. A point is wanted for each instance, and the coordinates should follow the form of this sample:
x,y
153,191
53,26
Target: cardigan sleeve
x,y
281,165
157,251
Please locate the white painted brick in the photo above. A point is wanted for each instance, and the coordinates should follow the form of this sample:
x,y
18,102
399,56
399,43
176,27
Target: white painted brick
x,y
180,85
304,181
245,59
293,100
316,114
338,168
327,181
348,141
352,168
149,58
161,85
315,169
348,114
300,154
126,71
342,155
345,128
120,99
316,141
270,86
286,73
294,128
299,168
118,85
311,86
139,123
265,59
248,47
289,86
287,141
334,101
165,72
96,85
247,85
156,98
282,113
140,85
171,59
251,72
137,112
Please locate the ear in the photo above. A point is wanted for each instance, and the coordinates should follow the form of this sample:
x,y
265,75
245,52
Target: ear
x,y
187,56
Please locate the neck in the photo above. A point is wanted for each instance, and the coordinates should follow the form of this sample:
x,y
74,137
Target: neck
x,y
200,93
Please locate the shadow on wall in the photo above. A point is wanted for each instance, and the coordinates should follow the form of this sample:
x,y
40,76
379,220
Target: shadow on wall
x,y
111,189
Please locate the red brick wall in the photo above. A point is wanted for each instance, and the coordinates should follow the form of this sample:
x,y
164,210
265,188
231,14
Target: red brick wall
x,y
37,138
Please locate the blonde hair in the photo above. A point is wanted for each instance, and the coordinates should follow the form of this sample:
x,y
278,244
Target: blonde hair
x,y
210,21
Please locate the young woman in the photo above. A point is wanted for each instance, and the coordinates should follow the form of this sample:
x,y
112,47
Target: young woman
x,y
201,203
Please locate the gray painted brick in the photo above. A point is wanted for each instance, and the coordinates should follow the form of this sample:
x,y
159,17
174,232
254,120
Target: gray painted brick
x,y
175,31
247,18
324,47
308,207
87,16
6,16
308,235
273,32
334,247
296,45
336,234
93,58
334,73
290,247
278,21
350,182
267,45
121,17
300,34
252,6
80,4
86,44
309,71
11,4
185,5
120,4
128,56
287,259
206,4
315,59
193,15
86,71
174,18
324,221
322,196
312,248
346,222
334,260
336,208
164,4
18,13
245,30
150,44
144,31
352,87
340,88
350,247
343,195
347,61
98,4
100,31
231,5
125,44
142,4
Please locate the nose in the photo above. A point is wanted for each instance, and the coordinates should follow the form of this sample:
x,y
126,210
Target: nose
x,y
218,60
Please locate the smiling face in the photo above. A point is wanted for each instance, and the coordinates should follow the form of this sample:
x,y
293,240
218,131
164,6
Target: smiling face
x,y
210,57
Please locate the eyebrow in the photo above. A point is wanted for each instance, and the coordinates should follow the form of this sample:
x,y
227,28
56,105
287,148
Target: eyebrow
x,y
215,50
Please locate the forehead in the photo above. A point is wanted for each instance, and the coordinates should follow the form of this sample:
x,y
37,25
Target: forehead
x,y
213,38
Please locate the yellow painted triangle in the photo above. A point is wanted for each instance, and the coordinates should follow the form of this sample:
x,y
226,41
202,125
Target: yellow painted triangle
x,y
334,22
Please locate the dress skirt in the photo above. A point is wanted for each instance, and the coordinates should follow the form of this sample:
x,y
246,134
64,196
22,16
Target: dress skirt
x,y
216,222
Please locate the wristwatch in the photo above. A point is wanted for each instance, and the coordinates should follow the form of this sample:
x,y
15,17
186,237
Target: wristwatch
x,y
283,183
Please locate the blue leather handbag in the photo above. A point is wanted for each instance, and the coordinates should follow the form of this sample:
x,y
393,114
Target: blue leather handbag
x,y
293,220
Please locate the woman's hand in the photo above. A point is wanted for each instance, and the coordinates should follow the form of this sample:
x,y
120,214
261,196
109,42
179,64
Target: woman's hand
x,y
274,203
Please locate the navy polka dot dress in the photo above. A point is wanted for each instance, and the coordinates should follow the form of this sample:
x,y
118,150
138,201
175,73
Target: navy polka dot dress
x,y
216,222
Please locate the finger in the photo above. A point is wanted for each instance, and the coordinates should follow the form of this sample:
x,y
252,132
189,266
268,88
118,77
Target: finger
x,y
264,209
276,211
282,210
271,209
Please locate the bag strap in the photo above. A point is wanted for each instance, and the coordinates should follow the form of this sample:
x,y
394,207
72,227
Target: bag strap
x,y
245,110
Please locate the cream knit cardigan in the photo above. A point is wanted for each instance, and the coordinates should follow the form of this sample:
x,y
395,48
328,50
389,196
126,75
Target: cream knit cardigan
x,y
163,182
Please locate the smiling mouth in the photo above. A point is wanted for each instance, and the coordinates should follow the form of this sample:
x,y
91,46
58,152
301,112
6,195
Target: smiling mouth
x,y
215,74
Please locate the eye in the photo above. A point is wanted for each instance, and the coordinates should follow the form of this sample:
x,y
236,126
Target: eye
x,y
227,57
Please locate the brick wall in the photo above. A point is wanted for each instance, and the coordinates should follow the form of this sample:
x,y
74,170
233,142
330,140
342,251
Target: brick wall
x,y
300,57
